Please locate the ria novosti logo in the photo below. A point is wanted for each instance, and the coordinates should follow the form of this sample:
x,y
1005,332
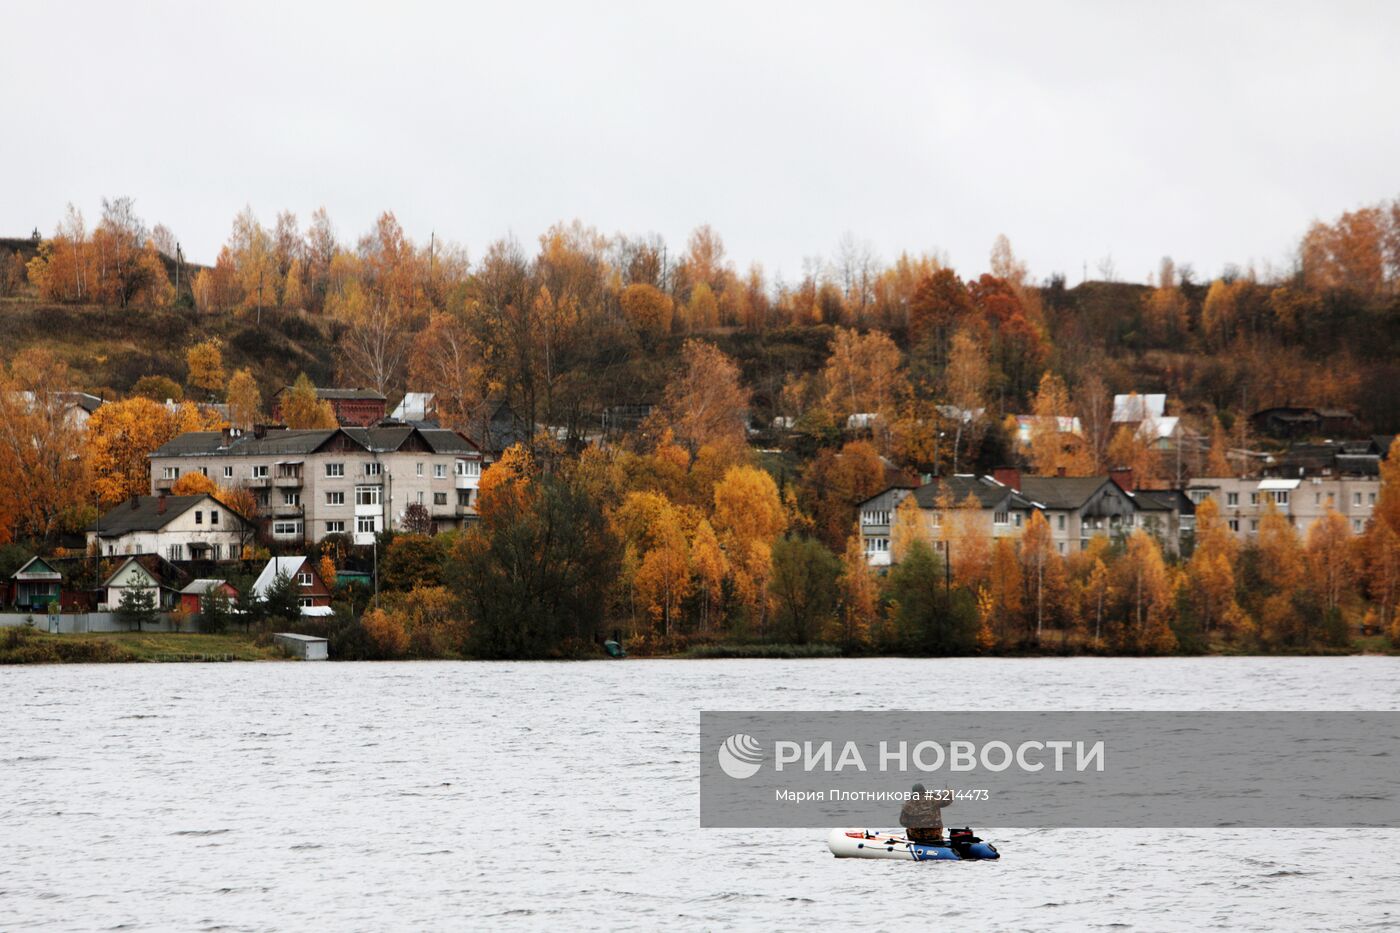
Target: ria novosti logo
x,y
740,756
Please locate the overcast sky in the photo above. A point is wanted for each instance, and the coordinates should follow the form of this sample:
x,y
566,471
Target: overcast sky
x,y
1213,133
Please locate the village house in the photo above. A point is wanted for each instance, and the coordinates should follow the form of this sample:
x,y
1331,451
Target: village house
x,y
1303,500
313,596
36,585
351,481
352,407
179,528
143,572
192,596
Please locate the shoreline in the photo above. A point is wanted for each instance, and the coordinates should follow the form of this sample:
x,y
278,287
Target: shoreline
x,y
37,647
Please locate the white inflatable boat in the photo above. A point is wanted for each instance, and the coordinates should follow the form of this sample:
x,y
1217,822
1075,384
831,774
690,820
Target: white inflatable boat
x,y
961,846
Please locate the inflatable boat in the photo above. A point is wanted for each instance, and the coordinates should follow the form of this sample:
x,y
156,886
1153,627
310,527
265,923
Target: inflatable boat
x,y
961,846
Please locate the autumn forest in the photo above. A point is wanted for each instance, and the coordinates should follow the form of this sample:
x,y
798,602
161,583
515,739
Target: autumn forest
x,y
698,436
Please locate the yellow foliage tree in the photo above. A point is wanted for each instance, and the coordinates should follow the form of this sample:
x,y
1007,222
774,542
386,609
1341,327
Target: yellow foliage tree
x,y
122,435
1054,448
244,400
303,409
206,365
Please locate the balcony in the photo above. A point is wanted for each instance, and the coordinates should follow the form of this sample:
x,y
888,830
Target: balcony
x,y
283,510
260,482
288,482
165,484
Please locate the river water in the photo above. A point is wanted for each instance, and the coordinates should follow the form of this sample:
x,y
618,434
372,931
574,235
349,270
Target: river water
x,y
487,796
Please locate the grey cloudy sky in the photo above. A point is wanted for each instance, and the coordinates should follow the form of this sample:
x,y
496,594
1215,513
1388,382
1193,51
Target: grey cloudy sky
x,y
1211,132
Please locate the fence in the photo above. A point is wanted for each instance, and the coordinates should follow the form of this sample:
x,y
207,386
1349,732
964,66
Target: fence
x,y
81,622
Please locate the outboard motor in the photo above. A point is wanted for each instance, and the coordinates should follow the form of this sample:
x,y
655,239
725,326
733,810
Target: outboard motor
x,y
969,846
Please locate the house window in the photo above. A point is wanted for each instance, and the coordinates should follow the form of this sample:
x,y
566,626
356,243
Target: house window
x,y
1017,517
198,517
171,473
203,471
439,498
367,524
1254,498
213,516
439,471
335,498
464,497
228,472
291,498
373,468
877,545
335,528
1371,500
418,469
1001,518
335,469
1060,522
420,497
305,602
262,499
875,517
304,578
290,529
1234,524
175,552
1232,498
1062,547
1280,497
367,495
1357,526
468,468
259,472
1356,498
218,550
1253,524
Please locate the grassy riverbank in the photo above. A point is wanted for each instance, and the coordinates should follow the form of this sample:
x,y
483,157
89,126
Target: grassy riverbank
x,y
24,646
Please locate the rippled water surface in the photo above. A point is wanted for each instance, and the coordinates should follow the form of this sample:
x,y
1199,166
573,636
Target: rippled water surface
x,y
484,796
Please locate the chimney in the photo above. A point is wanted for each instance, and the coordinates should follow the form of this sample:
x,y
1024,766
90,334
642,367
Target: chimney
x,y
135,502
1008,476
1060,471
1123,476
160,503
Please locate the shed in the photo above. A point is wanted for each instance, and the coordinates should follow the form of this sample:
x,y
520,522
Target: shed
x,y
305,647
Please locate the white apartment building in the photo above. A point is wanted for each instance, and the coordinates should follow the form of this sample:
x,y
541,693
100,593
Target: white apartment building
x,y
353,481
1304,500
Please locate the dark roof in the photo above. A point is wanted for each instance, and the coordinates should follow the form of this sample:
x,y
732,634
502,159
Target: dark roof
x,y
86,401
331,393
443,441
1164,500
1061,492
988,491
281,442
161,570
146,514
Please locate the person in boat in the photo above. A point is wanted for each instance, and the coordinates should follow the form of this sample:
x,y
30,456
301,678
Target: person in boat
x,y
922,816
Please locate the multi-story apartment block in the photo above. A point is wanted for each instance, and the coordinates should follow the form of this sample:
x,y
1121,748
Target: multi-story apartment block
x,y
1243,502
1076,509
354,481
